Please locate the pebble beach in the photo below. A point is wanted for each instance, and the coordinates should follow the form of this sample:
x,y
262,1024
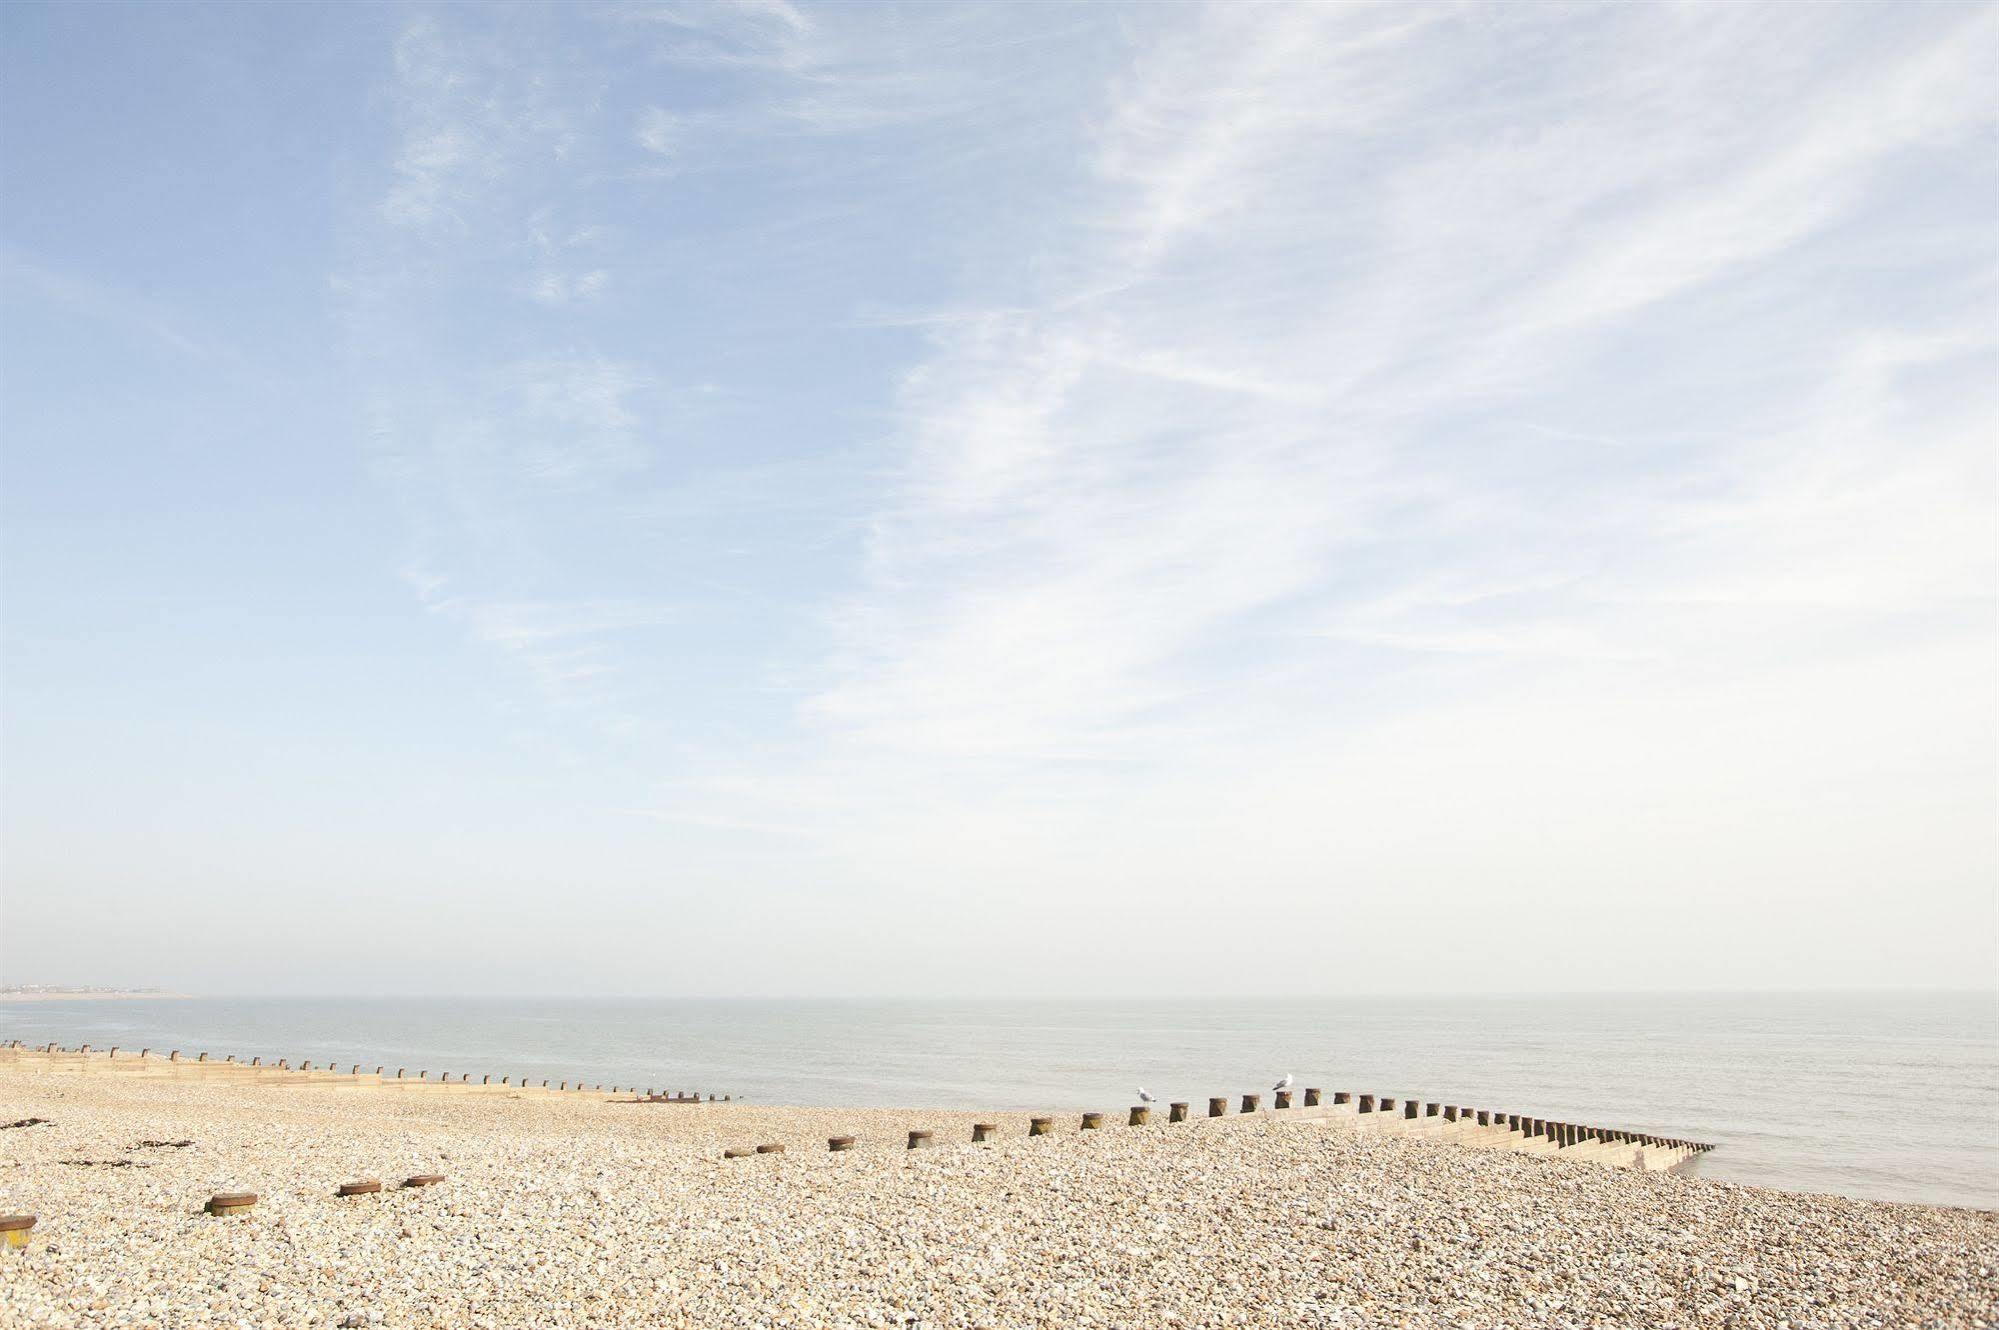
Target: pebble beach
x,y
587,1209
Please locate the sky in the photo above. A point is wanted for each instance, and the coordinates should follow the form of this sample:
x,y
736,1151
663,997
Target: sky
x,y
769,499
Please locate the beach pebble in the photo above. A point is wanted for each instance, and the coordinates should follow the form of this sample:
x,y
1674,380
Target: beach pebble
x,y
575,1210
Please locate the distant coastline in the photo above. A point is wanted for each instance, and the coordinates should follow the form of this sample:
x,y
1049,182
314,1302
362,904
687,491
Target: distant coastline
x,y
48,993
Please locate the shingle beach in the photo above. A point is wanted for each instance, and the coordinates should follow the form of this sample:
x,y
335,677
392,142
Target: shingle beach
x,y
581,1210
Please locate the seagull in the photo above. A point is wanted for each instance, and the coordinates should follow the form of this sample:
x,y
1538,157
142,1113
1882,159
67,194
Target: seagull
x,y
1146,1096
1282,1085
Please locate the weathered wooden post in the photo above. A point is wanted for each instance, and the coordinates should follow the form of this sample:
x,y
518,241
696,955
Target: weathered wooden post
x,y
1250,1101
983,1131
1281,1099
14,1230
1311,1097
778,1149
1431,1110
1140,1115
1040,1126
1484,1118
1387,1104
1366,1104
1218,1107
1450,1113
171,1057
919,1139
1410,1108
230,1202
1342,1097
359,1187
1176,1111
839,1143
1092,1121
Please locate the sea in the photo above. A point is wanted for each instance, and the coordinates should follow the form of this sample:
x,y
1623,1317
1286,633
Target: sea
x,y
1890,1096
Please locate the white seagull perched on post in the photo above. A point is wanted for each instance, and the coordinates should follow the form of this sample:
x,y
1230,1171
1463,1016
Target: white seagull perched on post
x,y
1282,1085
1145,1096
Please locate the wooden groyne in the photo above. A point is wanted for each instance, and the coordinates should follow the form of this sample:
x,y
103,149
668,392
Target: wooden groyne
x,y
175,1063
1479,1128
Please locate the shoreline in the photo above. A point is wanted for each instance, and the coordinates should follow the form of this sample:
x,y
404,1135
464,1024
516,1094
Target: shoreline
x,y
94,997
581,1208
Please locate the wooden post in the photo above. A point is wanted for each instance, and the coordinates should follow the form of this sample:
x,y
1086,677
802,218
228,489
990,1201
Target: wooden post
x,y
1450,1112
1484,1118
1218,1107
1410,1108
1176,1111
983,1131
230,1202
1040,1126
1282,1099
919,1139
1311,1097
1387,1104
1431,1110
14,1230
1366,1104
1140,1115
1092,1121
1250,1101
778,1149
839,1143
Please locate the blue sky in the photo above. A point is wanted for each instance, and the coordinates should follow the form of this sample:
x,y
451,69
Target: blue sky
x,y
754,498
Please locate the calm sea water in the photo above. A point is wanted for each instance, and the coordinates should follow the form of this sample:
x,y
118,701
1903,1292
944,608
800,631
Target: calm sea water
x,y
1888,1096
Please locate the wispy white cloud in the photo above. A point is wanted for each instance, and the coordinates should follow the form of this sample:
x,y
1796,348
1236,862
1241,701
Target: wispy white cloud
x,y
1307,417
125,310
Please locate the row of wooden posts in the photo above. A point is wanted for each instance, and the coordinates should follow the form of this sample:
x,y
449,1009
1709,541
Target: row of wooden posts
x,y
444,1078
1563,1134
14,1229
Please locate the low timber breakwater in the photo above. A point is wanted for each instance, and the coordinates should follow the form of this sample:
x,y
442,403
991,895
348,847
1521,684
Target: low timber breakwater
x,y
1425,1119
176,1191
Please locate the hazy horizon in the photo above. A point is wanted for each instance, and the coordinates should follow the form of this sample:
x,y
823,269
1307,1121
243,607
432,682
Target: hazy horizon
x,y
753,498
1245,996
